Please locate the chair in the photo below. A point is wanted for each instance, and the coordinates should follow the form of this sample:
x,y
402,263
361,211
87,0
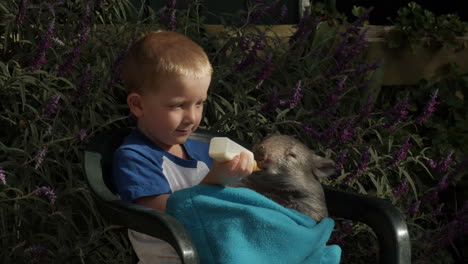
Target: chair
x,y
386,221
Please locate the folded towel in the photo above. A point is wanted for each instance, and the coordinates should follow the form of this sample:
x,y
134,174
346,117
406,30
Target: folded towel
x,y
237,225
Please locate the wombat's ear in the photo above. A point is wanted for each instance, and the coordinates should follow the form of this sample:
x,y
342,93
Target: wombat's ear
x,y
322,167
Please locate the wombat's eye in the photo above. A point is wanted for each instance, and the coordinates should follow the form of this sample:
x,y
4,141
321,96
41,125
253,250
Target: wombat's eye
x,y
291,154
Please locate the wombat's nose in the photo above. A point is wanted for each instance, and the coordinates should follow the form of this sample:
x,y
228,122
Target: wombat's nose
x,y
259,153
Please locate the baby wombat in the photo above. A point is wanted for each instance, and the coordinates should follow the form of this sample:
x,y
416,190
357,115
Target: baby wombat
x,y
289,175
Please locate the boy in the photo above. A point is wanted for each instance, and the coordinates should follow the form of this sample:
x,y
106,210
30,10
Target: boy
x,y
167,77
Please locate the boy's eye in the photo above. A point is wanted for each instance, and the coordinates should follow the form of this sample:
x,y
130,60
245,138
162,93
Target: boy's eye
x,y
176,106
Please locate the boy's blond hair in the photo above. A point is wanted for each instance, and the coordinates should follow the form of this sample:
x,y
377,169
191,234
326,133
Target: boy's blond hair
x,y
161,54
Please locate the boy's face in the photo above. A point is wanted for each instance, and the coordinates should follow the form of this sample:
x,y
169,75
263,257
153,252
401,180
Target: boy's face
x,y
170,112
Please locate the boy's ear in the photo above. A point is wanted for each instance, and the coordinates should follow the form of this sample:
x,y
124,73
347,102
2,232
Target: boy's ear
x,y
135,103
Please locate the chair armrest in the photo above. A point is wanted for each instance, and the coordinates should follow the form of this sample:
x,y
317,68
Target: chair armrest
x,y
386,221
153,223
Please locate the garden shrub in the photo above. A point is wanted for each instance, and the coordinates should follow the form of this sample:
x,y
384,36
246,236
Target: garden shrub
x,y
60,84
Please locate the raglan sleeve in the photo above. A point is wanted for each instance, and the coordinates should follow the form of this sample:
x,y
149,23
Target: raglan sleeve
x,y
136,175
199,151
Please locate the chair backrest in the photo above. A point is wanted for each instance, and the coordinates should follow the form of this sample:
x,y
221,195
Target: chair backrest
x,y
99,171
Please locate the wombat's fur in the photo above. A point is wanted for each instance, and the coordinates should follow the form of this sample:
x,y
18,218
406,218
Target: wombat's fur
x,y
290,175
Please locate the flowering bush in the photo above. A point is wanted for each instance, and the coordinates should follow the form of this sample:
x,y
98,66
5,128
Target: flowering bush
x,y
60,84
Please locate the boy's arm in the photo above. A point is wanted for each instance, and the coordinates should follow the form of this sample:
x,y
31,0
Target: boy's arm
x,y
131,171
220,172
157,202
229,171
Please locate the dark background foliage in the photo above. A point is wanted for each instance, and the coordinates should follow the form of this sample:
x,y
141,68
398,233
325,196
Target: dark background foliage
x,y
60,84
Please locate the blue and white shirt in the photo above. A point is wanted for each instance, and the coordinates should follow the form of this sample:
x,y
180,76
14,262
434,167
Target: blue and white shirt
x,y
142,168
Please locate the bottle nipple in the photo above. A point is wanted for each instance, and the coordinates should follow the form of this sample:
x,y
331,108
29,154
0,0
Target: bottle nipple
x,y
255,167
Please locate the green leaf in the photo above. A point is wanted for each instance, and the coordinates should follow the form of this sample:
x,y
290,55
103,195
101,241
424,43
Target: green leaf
x,y
409,179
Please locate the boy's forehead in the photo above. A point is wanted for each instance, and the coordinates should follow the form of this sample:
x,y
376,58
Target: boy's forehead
x,y
180,86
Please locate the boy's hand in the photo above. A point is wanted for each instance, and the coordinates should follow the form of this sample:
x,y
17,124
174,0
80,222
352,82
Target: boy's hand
x,y
231,171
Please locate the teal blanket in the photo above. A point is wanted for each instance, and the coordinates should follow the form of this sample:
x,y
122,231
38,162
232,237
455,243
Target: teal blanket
x,y
237,225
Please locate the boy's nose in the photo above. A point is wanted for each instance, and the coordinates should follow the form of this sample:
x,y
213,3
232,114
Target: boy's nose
x,y
190,115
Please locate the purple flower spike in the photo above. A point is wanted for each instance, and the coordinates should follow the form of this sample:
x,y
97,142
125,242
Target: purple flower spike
x,y
363,164
433,164
2,176
168,13
305,26
443,165
47,192
352,45
296,98
172,21
429,109
414,208
248,60
443,184
330,104
458,227
367,68
272,102
51,109
251,56
311,131
437,211
72,58
265,72
401,154
84,30
83,85
328,134
401,189
365,111
348,130
50,7
344,228
21,12
283,13
259,43
39,158
244,42
449,176
85,19
36,252
397,114
82,134
171,4
44,45
341,159
433,196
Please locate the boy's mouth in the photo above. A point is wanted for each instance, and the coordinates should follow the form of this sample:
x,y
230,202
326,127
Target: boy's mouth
x,y
183,131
